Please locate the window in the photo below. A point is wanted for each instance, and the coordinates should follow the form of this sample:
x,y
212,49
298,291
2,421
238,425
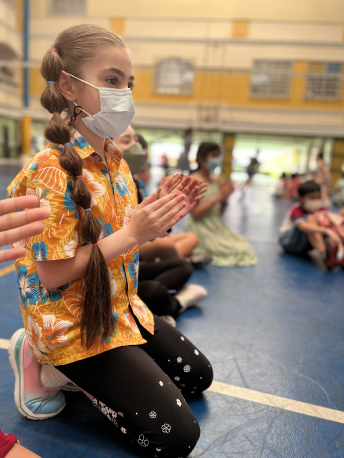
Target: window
x,y
270,79
77,7
174,76
324,81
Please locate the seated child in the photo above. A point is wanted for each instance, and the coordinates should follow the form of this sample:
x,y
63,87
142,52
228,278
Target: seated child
x,y
294,184
302,231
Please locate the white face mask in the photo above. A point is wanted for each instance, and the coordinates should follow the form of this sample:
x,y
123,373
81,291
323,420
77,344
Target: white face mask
x,y
312,206
116,111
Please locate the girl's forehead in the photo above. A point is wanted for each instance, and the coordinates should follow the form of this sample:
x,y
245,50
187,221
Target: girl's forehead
x,y
111,58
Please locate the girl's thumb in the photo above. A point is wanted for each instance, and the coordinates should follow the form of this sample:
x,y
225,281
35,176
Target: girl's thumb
x,y
149,200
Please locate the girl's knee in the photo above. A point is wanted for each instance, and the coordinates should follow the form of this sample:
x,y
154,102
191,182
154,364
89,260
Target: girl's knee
x,y
186,437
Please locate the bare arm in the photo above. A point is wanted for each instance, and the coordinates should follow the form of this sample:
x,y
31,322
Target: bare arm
x,y
151,219
203,209
310,228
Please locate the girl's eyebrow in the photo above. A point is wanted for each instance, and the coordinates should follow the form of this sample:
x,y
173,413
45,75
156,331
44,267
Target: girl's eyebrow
x,y
119,73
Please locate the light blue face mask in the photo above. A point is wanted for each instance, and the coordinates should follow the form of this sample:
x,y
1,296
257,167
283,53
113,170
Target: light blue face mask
x,y
116,111
212,163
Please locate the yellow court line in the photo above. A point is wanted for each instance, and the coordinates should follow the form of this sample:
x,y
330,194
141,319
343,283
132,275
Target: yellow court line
x,y
7,270
263,398
277,401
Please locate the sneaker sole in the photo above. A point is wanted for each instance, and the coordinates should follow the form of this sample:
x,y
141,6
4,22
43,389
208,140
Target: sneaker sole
x,y
16,362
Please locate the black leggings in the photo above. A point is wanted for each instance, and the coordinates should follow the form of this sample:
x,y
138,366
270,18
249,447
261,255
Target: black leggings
x,y
156,279
141,389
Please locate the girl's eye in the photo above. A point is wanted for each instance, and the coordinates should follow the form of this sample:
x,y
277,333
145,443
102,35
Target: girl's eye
x,y
113,80
131,85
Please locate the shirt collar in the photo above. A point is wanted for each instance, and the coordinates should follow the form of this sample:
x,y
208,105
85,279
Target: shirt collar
x,y
85,150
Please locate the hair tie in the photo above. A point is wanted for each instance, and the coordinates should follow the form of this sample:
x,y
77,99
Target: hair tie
x,y
95,244
57,113
51,82
79,176
66,144
54,50
87,210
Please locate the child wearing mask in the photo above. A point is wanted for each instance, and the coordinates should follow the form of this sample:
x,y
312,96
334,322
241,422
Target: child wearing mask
x,y
85,326
302,232
226,247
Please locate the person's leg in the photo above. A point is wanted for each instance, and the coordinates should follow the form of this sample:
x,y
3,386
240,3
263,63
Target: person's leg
x,y
316,239
178,358
159,248
177,275
139,398
173,273
185,243
156,296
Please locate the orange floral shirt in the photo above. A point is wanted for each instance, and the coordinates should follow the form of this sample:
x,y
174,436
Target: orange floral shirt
x,y
52,317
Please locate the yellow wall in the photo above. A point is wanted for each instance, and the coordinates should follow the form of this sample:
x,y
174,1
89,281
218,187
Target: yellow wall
x,y
230,89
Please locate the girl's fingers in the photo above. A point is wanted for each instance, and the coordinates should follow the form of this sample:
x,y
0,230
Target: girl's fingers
x,y
176,183
169,205
172,214
174,220
17,203
147,201
20,233
12,254
195,203
152,207
184,184
164,187
13,220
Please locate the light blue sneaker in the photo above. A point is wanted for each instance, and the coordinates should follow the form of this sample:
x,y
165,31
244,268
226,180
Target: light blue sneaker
x,y
33,401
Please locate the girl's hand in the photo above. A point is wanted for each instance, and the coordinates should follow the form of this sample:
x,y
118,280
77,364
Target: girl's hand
x,y
189,186
226,189
155,216
168,184
18,226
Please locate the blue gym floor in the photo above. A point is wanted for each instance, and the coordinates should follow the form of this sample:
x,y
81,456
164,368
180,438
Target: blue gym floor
x,y
274,328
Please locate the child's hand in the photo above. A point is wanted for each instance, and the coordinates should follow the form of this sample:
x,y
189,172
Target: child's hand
x,y
155,216
189,186
21,225
334,238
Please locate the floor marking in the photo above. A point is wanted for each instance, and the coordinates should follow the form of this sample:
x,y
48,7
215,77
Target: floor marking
x,y
4,343
277,401
260,238
262,398
7,270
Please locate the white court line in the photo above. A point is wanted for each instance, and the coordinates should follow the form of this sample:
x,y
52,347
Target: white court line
x,y
4,343
263,398
278,402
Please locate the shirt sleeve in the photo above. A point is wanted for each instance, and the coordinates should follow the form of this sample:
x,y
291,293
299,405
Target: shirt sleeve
x,y
297,215
53,187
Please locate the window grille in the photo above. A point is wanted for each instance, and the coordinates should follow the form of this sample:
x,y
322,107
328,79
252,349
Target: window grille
x,y
270,79
67,7
324,81
174,76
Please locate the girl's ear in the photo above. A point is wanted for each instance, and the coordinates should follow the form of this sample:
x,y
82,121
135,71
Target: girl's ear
x,y
66,87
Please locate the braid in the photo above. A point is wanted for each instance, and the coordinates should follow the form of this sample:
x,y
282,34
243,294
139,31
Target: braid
x,y
96,320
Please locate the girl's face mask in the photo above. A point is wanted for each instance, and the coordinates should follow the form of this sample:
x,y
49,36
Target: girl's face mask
x,y
212,163
312,205
116,111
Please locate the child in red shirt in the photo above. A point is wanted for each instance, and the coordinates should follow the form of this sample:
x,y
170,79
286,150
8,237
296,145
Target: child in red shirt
x,y
301,231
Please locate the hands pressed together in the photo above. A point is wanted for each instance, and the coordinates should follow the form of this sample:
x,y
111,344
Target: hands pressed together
x,y
177,195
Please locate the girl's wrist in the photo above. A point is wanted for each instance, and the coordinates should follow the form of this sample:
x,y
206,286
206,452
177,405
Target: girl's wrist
x,y
131,237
